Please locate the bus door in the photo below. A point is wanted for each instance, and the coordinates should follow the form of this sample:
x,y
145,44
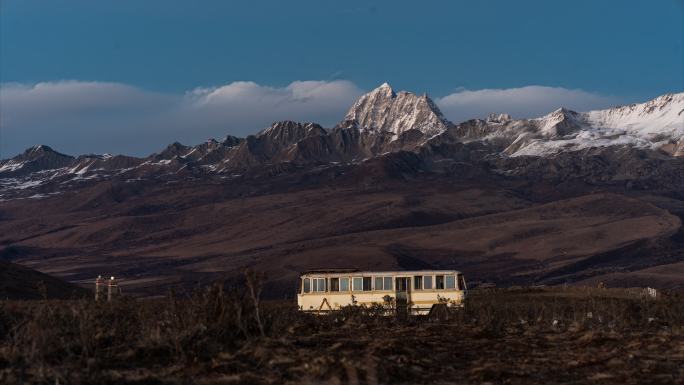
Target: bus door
x,y
402,285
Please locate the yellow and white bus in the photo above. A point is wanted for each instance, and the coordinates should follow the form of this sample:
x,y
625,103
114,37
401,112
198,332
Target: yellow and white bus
x,y
415,291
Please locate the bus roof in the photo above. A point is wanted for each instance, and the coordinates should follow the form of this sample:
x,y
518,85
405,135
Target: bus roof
x,y
358,272
330,271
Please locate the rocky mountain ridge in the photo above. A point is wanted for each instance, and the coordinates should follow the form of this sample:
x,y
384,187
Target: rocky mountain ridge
x,y
379,123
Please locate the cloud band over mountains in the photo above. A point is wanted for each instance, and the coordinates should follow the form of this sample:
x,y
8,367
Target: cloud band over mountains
x,y
79,117
523,102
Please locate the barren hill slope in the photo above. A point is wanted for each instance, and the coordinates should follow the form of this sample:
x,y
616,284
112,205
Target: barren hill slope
x,y
19,282
154,235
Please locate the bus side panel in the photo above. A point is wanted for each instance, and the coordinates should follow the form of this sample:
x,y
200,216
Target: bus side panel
x,y
422,301
418,299
313,302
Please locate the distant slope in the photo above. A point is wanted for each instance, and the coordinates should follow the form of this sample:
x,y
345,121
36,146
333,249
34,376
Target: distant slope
x,y
19,282
669,276
154,236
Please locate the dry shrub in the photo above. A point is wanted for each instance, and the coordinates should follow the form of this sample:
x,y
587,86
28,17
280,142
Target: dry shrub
x,y
572,308
100,335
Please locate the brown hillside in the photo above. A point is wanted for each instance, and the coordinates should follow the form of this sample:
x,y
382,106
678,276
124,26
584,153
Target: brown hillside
x,y
19,282
157,235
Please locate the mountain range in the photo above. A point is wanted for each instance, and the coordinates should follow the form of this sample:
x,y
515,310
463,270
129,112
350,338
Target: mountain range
x,y
566,197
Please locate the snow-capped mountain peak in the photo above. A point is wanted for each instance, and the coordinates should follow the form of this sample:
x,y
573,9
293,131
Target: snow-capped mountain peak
x,y
385,110
384,86
559,123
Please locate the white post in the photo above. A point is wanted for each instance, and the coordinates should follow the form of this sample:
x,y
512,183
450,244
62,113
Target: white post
x,y
99,285
112,288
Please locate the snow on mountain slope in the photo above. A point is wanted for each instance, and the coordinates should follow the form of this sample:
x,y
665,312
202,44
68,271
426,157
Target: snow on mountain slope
x,y
662,117
384,110
657,124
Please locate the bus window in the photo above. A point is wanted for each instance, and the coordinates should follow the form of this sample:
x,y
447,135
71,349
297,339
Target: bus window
x,y
450,282
417,282
383,283
299,287
378,284
367,283
439,282
344,284
427,282
357,284
318,284
334,284
307,285
461,282
387,283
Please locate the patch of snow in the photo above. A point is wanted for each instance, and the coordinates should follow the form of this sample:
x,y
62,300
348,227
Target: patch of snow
x,y
163,162
189,152
11,165
27,184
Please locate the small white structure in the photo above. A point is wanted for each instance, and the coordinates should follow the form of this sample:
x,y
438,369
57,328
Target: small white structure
x,y
112,288
415,291
112,285
99,287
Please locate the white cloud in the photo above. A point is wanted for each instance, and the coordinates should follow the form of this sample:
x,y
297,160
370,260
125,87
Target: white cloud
x,y
81,117
523,102
77,96
248,104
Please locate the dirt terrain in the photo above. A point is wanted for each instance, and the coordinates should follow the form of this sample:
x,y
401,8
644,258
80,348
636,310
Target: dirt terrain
x,y
517,336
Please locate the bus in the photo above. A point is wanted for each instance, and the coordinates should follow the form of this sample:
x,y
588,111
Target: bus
x,y
415,292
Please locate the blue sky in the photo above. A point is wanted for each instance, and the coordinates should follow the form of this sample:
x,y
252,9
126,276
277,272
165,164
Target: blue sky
x,y
109,71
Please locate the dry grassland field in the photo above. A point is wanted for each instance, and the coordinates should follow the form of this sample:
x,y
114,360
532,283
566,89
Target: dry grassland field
x,y
503,336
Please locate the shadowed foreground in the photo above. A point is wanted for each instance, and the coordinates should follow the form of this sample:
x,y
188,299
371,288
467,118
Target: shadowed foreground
x,y
217,337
